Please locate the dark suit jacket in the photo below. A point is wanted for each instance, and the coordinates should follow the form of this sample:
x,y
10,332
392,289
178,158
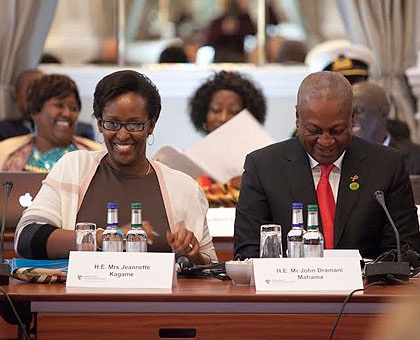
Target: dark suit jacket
x,y
412,152
280,174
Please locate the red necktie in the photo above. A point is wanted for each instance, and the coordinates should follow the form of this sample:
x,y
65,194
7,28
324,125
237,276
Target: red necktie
x,y
326,205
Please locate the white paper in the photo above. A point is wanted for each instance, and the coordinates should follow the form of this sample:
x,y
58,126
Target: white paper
x,y
177,160
121,270
221,154
307,274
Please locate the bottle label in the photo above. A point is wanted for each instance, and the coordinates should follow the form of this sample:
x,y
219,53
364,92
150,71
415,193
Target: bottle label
x,y
294,249
112,246
313,250
136,247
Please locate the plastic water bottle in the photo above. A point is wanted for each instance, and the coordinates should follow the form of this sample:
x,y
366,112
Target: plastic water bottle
x,y
313,241
112,237
136,237
295,235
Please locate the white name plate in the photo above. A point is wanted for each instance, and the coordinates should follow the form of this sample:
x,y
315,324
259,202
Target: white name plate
x,y
342,253
121,270
307,274
221,221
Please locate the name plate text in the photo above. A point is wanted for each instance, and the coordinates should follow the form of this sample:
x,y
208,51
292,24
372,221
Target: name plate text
x,y
307,274
120,270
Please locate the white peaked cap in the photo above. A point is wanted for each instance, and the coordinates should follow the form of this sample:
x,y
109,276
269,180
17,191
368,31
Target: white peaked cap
x,y
327,52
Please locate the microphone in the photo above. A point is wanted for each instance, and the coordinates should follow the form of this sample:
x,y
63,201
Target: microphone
x,y
184,266
389,272
4,267
379,196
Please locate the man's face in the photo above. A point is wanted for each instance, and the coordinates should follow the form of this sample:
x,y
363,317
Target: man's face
x,y
369,121
324,128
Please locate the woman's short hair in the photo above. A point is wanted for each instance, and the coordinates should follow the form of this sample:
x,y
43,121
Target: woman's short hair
x,y
50,86
252,97
121,82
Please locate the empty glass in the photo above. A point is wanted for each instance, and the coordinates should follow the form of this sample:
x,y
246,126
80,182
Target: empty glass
x,y
86,236
270,241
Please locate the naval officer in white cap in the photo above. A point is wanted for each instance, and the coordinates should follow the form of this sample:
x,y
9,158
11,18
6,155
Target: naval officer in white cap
x,y
353,61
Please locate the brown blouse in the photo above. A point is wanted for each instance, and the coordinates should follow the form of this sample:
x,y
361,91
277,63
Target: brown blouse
x,y
110,185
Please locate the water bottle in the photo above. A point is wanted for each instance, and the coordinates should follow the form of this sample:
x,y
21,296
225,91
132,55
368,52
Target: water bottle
x,y
112,237
295,235
136,241
313,241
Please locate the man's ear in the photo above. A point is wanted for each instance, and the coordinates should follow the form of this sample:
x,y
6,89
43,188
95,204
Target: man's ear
x,y
297,117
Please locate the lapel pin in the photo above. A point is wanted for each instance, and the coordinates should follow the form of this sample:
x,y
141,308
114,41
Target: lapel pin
x,y
354,186
354,178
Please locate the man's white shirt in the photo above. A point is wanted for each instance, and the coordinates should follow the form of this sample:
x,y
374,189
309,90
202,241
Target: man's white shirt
x,y
335,174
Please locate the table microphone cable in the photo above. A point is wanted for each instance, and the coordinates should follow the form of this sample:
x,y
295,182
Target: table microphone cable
x,y
381,283
16,313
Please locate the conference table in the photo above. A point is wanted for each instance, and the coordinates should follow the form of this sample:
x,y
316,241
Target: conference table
x,y
202,309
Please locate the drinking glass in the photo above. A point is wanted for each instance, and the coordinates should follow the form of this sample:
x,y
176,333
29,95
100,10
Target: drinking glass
x,y
86,236
270,241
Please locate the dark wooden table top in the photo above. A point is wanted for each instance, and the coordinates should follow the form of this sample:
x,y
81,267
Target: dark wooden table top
x,y
200,290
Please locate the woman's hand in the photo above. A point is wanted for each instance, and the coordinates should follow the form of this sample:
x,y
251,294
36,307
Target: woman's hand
x,y
183,241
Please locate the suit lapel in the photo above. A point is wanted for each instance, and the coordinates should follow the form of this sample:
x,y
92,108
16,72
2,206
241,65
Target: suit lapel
x,y
299,175
353,171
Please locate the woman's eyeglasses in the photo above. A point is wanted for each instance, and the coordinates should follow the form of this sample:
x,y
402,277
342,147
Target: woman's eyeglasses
x,y
130,126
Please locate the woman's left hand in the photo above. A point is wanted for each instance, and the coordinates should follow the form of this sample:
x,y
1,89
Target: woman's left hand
x,y
183,241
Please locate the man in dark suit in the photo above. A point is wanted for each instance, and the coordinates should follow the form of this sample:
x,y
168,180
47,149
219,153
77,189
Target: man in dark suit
x,y
350,170
371,109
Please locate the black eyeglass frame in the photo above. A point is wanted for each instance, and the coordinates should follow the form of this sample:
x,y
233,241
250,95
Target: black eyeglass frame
x,y
119,125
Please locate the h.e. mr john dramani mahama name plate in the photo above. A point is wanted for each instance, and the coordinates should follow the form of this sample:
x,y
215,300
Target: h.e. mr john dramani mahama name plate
x,y
321,274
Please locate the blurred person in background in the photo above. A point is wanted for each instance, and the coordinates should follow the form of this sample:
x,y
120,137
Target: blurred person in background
x,y
291,52
371,109
215,102
227,32
353,61
53,105
17,127
173,54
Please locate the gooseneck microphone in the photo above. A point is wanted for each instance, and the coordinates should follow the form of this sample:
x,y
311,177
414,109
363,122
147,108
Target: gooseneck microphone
x,y
4,267
379,196
389,272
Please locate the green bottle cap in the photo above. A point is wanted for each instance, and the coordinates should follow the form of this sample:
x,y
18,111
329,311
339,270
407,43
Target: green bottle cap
x,y
313,207
136,206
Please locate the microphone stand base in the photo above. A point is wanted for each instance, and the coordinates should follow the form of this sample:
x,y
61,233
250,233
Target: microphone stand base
x,y
388,272
4,274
